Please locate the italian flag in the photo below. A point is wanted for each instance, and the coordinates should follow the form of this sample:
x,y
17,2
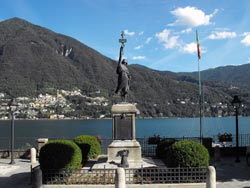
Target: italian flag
x,y
198,45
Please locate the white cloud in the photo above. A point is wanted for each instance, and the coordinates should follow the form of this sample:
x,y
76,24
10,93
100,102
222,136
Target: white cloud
x,y
188,30
245,34
169,41
172,42
184,31
190,48
222,35
148,40
138,57
191,16
141,33
126,32
246,40
138,47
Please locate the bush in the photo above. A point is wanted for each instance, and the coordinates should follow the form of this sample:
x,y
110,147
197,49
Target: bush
x,y
163,146
89,145
154,139
187,154
60,154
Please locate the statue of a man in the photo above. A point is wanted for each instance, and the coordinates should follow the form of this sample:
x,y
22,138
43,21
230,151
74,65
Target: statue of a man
x,y
123,76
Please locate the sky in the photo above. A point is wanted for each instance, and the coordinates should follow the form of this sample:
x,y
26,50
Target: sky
x,y
161,34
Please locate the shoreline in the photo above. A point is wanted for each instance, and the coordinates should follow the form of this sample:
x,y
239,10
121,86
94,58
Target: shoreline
x,y
138,118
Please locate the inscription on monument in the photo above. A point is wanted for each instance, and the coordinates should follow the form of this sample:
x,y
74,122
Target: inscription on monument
x,y
123,128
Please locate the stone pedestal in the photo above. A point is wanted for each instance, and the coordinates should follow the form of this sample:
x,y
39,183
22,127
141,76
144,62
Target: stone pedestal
x,y
124,137
133,147
41,142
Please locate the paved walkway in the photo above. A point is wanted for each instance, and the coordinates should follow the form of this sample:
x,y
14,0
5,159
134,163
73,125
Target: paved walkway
x,y
16,175
229,175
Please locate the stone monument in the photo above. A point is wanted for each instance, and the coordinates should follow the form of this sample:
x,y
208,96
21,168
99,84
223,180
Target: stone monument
x,y
123,118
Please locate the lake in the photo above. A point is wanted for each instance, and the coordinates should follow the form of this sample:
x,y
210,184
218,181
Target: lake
x,y
169,127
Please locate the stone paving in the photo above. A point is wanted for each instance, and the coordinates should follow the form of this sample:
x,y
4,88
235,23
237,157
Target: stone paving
x,y
15,176
146,162
229,175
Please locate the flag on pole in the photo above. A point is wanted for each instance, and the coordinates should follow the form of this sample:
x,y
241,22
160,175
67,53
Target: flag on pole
x,y
198,45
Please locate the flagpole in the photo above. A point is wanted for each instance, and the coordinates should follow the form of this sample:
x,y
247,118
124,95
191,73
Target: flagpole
x,y
200,96
200,103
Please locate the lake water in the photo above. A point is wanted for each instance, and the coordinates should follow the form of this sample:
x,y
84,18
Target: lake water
x,y
169,127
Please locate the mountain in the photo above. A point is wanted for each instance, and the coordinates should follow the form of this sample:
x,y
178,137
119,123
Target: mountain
x,y
236,75
34,59
31,55
233,80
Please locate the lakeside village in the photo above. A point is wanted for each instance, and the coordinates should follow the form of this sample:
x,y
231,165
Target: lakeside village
x,y
48,106
72,105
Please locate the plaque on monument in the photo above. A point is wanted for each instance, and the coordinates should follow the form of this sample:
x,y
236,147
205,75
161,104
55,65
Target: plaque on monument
x,y
123,129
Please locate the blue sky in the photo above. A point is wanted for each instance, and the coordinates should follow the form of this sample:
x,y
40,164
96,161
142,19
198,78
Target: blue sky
x,y
160,33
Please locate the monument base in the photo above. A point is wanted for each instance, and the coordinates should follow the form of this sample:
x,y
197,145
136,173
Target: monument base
x,y
124,134
133,147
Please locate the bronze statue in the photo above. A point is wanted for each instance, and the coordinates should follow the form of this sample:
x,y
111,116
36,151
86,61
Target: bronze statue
x,y
123,73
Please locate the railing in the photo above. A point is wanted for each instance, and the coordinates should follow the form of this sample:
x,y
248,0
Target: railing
x,y
104,146
24,143
133,176
4,143
20,143
79,176
244,140
165,175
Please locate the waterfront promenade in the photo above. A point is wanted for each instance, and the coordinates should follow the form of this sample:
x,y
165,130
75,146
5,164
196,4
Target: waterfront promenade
x,y
15,176
229,175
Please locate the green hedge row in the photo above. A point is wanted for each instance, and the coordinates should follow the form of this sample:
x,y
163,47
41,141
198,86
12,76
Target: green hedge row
x,y
66,154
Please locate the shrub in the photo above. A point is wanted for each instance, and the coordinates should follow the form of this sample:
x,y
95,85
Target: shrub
x,y
154,139
187,154
163,146
60,154
89,145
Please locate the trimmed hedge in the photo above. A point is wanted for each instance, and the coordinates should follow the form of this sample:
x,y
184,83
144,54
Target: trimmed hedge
x,y
60,154
187,154
89,145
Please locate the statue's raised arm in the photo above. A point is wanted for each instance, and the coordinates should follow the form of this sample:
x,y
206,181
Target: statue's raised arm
x,y
120,56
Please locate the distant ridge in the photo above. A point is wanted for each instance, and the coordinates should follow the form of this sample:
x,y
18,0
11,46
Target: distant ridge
x,y
239,75
33,59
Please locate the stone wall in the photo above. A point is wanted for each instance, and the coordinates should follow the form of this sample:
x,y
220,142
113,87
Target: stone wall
x,y
24,154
